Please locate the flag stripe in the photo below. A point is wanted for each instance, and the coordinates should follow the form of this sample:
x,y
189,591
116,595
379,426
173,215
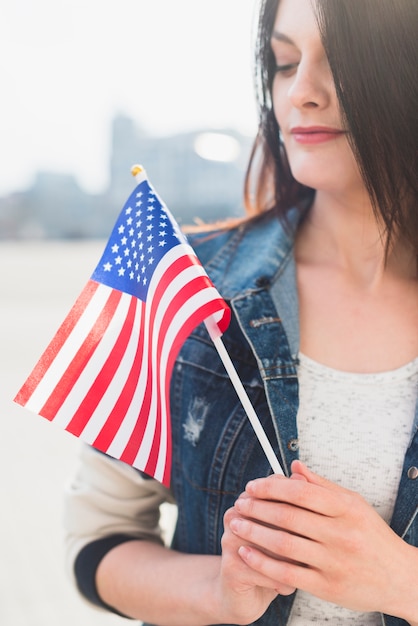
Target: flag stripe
x,y
105,411
83,384
163,468
68,351
56,344
80,359
177,332
151,421
106,374
111,426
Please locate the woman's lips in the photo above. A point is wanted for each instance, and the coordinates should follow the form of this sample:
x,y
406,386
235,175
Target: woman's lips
x,y
315,134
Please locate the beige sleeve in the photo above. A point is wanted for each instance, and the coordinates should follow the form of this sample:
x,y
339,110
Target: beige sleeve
x,y
107,497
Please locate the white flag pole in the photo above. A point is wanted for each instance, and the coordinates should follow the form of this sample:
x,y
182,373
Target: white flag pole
x,y
214,333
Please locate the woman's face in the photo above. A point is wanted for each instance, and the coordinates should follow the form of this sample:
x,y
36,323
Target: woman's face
x,y
305,102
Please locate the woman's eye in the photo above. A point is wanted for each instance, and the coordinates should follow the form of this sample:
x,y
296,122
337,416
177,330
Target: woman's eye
x,y
286,68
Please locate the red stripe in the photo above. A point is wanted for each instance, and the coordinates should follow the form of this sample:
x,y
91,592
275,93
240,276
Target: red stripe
x,y
84,353
105,376
57,342
191,288
189,324
117,415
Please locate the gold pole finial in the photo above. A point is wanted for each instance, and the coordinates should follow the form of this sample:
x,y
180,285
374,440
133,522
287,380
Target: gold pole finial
x,y
136,169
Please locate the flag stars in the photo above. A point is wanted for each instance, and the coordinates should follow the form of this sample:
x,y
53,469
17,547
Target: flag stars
x,y
139,242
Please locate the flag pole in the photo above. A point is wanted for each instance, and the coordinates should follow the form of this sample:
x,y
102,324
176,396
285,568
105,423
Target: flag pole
x,y
138,172
214,334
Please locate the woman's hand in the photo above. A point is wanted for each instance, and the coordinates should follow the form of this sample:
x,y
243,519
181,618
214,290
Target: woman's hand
x,y
244,592
314,535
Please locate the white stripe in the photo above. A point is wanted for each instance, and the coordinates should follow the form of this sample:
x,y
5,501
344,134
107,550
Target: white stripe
x,y
180,280
116,385
196,302
93,366
69,349
193,304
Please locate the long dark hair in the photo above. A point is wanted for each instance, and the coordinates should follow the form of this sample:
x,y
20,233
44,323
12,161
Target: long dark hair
x,y
373,54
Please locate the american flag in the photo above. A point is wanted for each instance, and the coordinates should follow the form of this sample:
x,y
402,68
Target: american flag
x,y
105,375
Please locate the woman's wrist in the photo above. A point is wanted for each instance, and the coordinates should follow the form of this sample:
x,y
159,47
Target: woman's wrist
x,y
405,597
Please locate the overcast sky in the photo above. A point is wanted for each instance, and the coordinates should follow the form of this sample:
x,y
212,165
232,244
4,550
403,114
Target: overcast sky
x,y
68,66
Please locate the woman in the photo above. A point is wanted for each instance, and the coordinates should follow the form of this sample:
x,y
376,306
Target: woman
x,y
322,280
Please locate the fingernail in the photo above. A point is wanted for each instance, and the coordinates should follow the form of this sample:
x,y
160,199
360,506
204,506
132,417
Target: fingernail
x,y
244,552
235,525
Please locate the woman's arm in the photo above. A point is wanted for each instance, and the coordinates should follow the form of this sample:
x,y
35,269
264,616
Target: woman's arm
x,y
141,577
152,583
342,550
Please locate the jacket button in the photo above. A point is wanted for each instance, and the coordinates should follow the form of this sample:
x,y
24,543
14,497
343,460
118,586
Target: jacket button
x,y
413,473
293,445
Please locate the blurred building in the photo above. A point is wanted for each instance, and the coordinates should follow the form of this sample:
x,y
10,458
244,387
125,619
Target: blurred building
x,y
198,174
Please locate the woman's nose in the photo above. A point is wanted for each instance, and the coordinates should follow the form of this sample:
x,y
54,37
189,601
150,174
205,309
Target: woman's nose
x,y
311,87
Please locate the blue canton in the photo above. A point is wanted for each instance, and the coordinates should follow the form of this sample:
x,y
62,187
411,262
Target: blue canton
x,y
144,232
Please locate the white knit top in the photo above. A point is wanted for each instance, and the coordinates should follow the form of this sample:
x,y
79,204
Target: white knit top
x,y
354,429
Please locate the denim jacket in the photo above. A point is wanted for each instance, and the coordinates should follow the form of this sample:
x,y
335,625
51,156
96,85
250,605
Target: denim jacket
x,y
215,451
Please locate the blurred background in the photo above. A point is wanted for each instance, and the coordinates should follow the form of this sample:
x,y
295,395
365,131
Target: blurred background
x,y
90,87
